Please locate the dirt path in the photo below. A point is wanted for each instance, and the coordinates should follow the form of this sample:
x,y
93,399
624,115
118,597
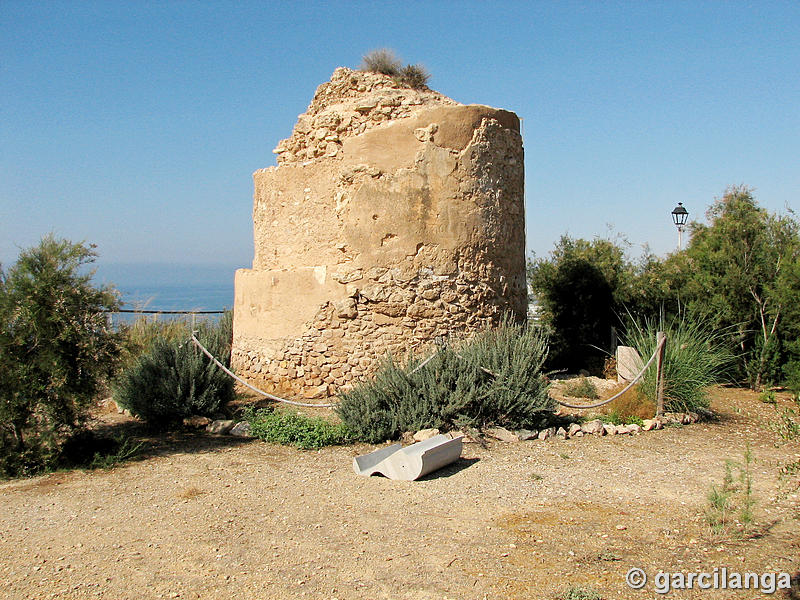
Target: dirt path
x,y
219,518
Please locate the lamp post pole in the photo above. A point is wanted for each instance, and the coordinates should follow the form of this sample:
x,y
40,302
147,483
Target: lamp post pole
x,y
679,217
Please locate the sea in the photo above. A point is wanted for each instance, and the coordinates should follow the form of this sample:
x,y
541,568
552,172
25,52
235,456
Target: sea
x,y
169,287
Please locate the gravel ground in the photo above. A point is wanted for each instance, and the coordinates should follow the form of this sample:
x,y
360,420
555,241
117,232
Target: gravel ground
x,y
204,517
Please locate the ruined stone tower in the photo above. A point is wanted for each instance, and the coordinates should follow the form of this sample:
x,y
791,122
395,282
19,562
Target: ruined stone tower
x,y
394,216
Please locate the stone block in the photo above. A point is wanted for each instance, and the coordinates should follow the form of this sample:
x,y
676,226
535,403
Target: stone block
x,y
425,434
502,434
594,427
629,363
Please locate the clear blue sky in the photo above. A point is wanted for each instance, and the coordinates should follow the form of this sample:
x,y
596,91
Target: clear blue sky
x,y
137,125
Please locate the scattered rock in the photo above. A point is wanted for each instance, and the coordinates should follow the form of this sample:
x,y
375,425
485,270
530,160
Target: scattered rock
x,y
652,424
408,438
547,433
425,434
196,421
594,427
561,433
573,429
526,434
220,427
241,429
609,429
502,434
633,428
621,429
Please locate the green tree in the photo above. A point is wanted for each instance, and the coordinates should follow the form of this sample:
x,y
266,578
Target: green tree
x,y
744,276
55,351
583,287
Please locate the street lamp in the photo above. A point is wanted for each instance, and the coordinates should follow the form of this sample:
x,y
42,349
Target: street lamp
x,y
679,216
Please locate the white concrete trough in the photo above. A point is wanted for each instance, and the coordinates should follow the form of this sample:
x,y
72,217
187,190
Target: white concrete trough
x,y
411,462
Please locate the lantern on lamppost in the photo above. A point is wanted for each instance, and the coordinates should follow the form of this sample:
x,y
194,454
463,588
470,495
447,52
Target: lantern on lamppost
x,y
679,217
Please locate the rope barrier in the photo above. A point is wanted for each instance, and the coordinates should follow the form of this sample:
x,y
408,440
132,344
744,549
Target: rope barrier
x,y
197,343
626,388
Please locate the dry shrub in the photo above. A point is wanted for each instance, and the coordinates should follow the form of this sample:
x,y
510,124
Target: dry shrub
x,y
414,76
386,62
633,403
610,368
382,60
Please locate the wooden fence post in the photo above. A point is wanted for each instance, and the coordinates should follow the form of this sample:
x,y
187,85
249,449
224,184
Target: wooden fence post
x,y
660,338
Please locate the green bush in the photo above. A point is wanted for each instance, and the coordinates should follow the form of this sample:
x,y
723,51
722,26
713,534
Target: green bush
x,y
495,378
56,352
174,380
306,433
695,358
382,60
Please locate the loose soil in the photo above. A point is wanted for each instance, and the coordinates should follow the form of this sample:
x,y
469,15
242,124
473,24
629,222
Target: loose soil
x,y
206,517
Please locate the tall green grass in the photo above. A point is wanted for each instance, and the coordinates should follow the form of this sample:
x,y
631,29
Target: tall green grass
x,y
695,359
494,378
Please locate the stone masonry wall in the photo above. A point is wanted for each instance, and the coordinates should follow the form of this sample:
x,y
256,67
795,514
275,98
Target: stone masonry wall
x,y
394,217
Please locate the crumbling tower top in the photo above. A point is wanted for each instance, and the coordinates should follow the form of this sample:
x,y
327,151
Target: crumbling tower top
x,y
349,104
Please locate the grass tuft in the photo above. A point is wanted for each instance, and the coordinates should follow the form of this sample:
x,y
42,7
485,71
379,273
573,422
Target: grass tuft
x,y
578,592
768,397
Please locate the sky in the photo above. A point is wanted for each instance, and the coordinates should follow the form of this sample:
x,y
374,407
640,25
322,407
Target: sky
x,y
137,126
